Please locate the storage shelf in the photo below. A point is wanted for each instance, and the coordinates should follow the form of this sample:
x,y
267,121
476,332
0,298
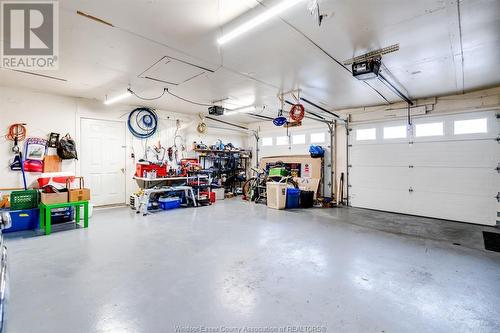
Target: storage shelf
x,y
169,178
221,151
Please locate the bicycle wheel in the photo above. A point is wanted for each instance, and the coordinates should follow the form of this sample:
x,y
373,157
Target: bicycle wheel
x,y
247,189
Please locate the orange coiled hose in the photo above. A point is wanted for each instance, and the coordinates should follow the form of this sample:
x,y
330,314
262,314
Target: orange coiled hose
x,y
16,131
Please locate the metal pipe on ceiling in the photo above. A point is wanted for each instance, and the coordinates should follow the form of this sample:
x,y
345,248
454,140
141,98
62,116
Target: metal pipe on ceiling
x,y
307,111
394,89
259,116
319,107
228,123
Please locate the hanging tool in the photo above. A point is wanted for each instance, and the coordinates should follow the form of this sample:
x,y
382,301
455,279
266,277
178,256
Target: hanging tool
x,y
202,126
142,122
17,133
280,120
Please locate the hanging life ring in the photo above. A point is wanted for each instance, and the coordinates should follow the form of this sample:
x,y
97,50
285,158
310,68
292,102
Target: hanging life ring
x,y
297,112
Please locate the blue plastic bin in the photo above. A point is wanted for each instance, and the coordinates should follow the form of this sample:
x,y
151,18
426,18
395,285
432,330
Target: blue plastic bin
x,y
292,198
25,219
169,203
62,215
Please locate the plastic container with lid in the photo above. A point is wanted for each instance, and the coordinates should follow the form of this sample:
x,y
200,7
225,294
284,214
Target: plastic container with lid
x,y
169,203
292,198
276,195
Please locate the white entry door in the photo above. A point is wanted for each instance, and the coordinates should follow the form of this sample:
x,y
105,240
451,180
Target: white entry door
x,y
102,160
448,172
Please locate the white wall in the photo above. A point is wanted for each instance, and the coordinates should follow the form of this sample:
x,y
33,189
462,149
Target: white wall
x,y
45,113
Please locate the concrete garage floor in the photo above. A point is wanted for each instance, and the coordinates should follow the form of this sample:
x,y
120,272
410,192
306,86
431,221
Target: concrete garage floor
x,y
237,264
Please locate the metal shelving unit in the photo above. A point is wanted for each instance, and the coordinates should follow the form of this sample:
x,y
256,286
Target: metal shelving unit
x,y
225,162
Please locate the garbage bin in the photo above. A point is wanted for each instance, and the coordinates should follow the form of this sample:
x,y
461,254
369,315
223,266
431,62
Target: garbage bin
x,y
276,195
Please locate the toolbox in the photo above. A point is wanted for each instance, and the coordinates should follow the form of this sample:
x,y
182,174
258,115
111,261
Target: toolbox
x,y
142,169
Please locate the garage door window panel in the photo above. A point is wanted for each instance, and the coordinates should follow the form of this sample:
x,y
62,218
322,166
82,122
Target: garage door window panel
x,y
470,126
429,129
267,141
366,134
317,137
299,139
395,132
281,141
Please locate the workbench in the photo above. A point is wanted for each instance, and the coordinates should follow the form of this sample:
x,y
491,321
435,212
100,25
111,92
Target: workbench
x,y
45,215
190,185
146,183
145,198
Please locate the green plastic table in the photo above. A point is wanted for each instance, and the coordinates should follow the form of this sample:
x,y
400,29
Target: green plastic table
x,y
45,216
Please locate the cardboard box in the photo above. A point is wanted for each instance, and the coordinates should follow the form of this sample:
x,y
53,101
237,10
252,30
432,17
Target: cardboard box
x,y
51,163
79,194
54,198
82,194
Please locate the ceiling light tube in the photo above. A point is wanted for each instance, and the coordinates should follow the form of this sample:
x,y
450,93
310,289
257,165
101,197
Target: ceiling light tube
x,y
117,98
267,15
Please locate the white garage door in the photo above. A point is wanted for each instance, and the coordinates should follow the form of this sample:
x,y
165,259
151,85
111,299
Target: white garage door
x,y
449,172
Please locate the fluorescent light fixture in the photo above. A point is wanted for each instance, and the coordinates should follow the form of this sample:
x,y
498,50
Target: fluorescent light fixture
x,y
267,15
117,98
244,109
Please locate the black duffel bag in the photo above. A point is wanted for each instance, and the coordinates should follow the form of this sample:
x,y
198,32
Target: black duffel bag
x,y
66,148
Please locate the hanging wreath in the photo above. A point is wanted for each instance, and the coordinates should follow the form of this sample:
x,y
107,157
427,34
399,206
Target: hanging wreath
x,y
297,112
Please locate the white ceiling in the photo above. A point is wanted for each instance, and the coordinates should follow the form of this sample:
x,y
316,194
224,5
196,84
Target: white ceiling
x,y
98,60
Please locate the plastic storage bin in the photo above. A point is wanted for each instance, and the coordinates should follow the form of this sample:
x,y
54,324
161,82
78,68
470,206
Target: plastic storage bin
x,y
169,203
27,199
278,172
306,199
276,195
292,198
62,215
219,193
24,219
212,197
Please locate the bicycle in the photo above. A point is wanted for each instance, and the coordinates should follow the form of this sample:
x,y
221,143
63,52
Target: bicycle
x,y
254,189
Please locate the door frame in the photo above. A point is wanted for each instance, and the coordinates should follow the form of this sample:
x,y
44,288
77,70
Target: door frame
x,y
126,168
